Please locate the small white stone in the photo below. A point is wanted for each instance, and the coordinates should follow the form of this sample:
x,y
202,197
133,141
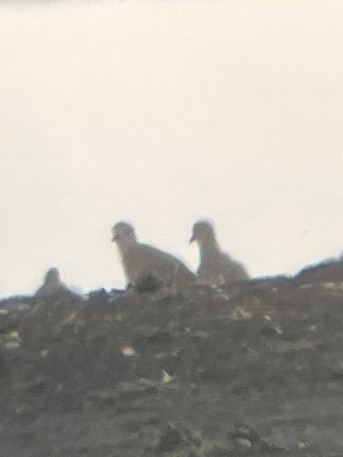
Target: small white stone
x,y
166,378
70,318
159,356
267,318
244,442
44,353
3,312
12,336
329,285
240,313
128,351
12,345
202,335
302,445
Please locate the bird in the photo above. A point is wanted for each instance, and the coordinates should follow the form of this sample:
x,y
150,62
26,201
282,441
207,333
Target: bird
x,y
52,284
147,268
216,267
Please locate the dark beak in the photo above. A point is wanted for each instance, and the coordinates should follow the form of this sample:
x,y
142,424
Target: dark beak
x,y
192,239
114,238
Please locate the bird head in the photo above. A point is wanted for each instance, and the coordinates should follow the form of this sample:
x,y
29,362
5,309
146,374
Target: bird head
x,y
52,276
202,231
122,233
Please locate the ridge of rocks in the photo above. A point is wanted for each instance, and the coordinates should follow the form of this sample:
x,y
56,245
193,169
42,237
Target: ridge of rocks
x,y
252,369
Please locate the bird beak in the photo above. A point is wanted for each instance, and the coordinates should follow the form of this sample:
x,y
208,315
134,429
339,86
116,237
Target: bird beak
x,y
114,238
192,239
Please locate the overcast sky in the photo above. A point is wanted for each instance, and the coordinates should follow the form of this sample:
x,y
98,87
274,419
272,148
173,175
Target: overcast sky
x,y
161,112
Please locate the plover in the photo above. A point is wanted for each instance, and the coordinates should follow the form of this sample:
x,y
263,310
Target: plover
x,y
145,264
52,284
215,268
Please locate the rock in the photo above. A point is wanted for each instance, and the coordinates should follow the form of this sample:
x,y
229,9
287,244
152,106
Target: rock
x,y
123,373
175,437
328,270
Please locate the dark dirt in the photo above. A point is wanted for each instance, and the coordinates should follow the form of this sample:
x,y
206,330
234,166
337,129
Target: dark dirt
x,y
254,369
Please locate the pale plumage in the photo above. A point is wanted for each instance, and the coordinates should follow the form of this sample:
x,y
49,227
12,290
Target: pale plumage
x,y
52,284
144,263
216,267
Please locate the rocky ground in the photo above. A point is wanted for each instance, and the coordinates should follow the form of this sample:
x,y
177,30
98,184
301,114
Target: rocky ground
x,y
255,369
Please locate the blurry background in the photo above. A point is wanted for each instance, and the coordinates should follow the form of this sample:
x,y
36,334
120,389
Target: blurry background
x,y
161,112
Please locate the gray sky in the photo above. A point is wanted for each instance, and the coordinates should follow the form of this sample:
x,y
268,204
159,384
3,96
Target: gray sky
x,y
163,112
